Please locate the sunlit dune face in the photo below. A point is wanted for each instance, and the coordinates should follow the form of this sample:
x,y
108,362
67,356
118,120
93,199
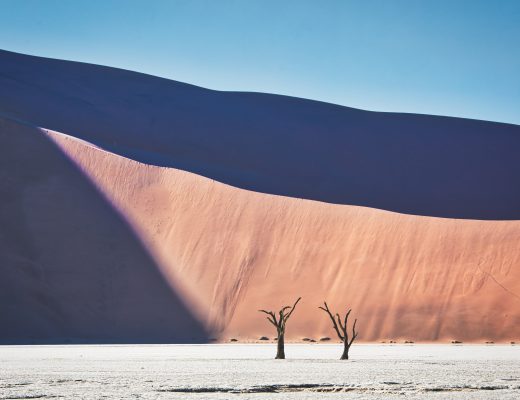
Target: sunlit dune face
x,y
231,251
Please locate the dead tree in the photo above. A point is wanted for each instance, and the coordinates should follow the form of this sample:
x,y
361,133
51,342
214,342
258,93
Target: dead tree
x,y
280,323
341,330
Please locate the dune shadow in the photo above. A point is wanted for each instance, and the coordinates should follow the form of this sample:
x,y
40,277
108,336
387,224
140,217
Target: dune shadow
x,y
71,268
408,163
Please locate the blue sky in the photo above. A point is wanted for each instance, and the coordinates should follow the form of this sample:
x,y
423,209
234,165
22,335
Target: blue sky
x,y
452,57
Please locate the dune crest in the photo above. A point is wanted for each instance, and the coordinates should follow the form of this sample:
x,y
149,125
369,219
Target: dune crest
x,y
233,251
408,163
71,268
240,201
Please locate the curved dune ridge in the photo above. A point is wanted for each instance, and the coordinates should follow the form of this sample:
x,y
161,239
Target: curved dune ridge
x,y
232,251
414,164
71,269
118,221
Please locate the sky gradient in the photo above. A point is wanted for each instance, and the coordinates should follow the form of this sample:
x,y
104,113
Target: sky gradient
x,y
458,58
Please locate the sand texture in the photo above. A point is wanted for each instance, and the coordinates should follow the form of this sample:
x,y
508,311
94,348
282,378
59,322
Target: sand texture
x,y
233,251
409,163
138,209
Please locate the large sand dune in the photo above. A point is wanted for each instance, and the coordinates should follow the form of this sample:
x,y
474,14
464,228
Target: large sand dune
x,y
71,269
232,251
415,164
89,238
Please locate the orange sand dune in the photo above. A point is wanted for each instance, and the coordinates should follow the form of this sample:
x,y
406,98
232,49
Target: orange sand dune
x,y
72,262
408,163
71,269
230,251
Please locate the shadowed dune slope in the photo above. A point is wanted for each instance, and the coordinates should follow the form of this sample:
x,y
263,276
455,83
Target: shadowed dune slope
x,y
414,164
71,269
232,251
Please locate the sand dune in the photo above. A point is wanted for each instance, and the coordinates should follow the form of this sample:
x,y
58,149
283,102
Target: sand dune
x,y
71,269
232,251
415,164
118,232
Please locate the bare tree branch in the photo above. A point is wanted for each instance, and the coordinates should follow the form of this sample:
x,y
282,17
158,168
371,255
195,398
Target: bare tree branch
x,y
346,318
335,325
354,333
292,309
341,328
268,312
280,325
285,308
339,323
271,317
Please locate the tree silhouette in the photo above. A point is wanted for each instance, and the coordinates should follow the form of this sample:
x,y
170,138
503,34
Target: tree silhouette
x,y
341,329
280,323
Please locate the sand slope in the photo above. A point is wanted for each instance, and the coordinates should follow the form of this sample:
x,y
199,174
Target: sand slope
x,y
415,164
98,247
232,251
71,269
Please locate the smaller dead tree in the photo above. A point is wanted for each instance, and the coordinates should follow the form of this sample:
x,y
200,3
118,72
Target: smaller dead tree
x,y
279,324
341,329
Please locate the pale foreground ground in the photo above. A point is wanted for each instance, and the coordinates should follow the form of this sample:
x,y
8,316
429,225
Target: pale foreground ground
x,y
247,371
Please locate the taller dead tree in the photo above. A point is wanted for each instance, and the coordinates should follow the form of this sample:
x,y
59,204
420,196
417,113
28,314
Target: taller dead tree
x,y
280,323
341,329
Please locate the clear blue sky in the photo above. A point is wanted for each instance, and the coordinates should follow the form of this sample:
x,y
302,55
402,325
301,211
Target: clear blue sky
x,y
451,57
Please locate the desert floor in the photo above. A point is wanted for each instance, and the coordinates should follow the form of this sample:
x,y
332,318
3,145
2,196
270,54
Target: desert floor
x,y
247,371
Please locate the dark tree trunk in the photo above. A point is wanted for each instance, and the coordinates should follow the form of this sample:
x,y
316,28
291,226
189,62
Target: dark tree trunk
x,y
280,324
340,326
344,356
280,353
